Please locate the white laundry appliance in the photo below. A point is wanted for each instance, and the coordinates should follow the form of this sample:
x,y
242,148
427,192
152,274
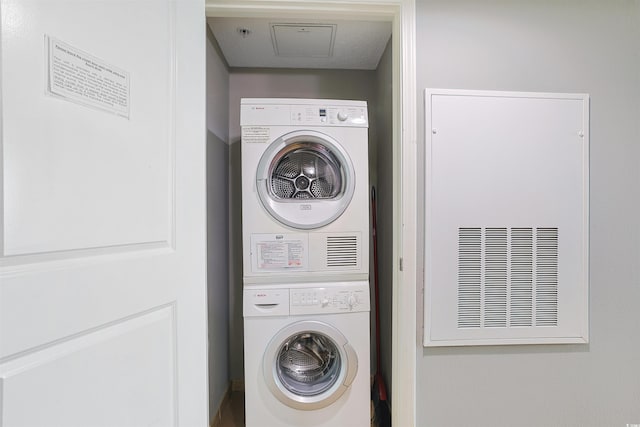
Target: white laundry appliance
x,y
306,355
305,180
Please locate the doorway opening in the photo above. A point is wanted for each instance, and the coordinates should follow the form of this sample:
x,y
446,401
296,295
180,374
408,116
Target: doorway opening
x,y
385,89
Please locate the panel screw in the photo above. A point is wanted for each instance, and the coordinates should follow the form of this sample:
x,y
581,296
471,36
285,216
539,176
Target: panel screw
x,y
244,32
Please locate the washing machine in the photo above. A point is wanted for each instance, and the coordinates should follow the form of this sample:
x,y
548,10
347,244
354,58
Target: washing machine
x,y
306,355
305,180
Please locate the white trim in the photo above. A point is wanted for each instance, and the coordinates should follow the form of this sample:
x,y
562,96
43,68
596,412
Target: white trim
x,y
404,333
402,15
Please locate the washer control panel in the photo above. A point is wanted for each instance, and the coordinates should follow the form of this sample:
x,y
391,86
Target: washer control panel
x,y
334,299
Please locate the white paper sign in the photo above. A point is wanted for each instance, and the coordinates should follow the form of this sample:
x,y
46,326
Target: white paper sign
x,y
280,255
256,134
279,252
82,78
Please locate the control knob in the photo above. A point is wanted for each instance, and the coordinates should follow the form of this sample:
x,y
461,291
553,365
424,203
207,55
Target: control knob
x,y
352,301
342,116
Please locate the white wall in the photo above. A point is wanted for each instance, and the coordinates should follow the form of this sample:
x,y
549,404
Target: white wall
x,y
217,224
550,46
382,175
276,83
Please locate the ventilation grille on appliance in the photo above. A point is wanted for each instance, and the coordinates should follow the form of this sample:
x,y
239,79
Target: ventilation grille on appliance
x,y
342,251
507,277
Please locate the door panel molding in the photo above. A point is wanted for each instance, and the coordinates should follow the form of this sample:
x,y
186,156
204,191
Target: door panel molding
x,y
39,377
33,263
62,195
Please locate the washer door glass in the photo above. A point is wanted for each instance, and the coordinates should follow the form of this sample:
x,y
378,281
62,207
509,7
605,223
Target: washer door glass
x,y
308,364
305,179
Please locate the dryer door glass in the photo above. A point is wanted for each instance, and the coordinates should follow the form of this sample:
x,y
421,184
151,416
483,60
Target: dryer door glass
x,y
308,363
305,179
305,170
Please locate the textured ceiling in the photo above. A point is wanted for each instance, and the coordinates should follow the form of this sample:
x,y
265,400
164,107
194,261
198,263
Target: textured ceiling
x,y
248,42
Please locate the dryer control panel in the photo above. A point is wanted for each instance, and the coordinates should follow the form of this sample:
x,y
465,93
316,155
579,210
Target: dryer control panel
x,y
334,116
306,112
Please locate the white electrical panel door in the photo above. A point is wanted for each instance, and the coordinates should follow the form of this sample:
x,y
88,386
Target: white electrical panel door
x,y
506,218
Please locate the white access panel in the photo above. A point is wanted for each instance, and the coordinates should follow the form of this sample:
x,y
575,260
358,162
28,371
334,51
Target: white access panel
x,y
506,218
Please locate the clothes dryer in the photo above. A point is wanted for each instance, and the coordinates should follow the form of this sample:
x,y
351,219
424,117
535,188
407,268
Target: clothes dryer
x,y
306,350
305,210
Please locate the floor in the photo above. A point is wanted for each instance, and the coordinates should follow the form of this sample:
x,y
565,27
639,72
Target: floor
x,y
232,414
232,411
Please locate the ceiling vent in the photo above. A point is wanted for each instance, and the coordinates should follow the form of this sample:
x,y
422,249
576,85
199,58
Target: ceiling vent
x,y
303,40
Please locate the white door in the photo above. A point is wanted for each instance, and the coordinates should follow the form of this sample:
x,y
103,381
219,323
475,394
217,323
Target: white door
x,y
102,292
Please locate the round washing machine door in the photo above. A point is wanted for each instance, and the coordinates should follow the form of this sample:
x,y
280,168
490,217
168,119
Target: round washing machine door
x,y
305,179
308,365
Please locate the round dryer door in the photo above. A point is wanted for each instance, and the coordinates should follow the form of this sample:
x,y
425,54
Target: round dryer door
x,y
309,365
305,179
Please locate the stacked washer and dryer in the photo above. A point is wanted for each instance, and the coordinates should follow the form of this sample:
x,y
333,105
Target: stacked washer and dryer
x,y
305,224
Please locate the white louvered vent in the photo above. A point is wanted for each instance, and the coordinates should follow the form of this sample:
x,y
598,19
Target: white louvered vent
x,y
495,278
342,251
507,277
521,277
547,277
469,277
